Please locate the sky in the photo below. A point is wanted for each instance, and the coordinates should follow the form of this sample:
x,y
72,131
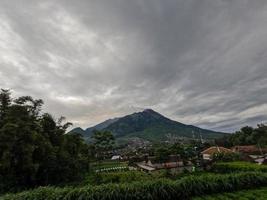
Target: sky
x,y
200,62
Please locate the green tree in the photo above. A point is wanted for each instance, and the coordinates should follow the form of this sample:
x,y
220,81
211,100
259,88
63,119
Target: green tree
x,y
162,154
103,142
5,101
34,149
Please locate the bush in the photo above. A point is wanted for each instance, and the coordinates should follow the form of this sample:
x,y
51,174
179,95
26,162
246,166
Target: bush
x,y
226,157
260,194
121,177
159,189
229,167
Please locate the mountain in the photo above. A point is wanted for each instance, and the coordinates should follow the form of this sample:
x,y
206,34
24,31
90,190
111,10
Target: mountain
x,y
87,133
100,126
149,125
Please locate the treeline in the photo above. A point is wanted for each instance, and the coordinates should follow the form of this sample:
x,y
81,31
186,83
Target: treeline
x,y
246,136
34,149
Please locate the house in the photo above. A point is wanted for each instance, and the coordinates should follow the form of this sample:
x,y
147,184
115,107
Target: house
x,y
264,161
116,157
172,162
259,159
249,150
210,152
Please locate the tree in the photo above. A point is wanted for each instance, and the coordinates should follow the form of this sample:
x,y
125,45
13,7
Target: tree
x,y
162,154
5,101
103,142
246,136
34,149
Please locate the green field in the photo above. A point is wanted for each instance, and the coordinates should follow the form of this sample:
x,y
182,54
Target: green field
x,y
109,166
257,194
228,167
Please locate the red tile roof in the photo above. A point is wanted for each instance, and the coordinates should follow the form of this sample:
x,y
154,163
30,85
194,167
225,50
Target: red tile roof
x,y
214,149
248,149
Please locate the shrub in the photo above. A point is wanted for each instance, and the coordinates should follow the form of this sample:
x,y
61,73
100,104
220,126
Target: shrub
x,y
121,177
229,167
260,194
226,157
159,189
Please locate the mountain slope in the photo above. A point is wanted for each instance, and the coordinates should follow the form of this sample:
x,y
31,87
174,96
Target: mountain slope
x,y
150,125
87,133
153,126
101,126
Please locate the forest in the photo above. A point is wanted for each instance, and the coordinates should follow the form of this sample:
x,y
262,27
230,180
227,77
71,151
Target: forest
x,y
34,149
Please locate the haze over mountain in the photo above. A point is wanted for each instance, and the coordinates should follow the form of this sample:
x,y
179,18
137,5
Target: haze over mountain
x,y
148,125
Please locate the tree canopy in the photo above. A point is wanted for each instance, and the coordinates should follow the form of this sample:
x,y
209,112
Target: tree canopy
x,y
34,149
246,136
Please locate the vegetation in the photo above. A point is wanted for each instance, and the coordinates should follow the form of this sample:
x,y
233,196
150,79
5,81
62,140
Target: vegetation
x,y
246,136
183,188
37,157
259,194
226,157
122,177
103,142
226,167
109,164
34,149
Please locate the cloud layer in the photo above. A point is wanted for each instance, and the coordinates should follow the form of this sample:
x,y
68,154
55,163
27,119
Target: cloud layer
x,y
201,62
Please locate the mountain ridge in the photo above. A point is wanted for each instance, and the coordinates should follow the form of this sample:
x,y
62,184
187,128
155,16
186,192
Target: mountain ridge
x,y
148,125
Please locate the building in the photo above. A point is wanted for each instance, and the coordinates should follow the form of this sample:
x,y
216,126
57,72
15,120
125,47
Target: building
x,y
249,150
116,157
210,152
173,162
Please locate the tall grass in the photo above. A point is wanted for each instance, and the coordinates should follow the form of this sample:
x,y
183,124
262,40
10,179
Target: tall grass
x,y
228,167
183,188
259,194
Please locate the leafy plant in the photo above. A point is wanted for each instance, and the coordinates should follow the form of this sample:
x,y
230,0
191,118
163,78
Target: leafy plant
x,y
226,167
184,188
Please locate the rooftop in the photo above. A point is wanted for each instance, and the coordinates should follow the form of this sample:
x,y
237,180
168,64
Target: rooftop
x,y
216,149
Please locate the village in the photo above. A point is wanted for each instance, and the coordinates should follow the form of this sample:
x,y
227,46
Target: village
x,y
199,160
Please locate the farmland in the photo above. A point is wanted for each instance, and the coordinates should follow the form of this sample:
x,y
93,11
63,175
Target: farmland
x,y
107,166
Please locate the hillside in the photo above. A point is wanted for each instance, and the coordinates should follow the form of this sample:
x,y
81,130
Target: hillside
x,y
149,125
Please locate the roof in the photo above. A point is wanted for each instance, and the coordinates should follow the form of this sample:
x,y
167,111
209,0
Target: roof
x,y
248,149
116,157
145,167
215,149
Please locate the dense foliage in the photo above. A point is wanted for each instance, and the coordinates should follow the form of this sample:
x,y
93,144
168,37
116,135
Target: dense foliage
x,y
103,142
34,149
259,194
122,177
246,136
183,188
226,157
226,167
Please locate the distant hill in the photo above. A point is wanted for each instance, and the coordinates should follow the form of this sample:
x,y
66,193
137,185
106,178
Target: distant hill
x,y
148,125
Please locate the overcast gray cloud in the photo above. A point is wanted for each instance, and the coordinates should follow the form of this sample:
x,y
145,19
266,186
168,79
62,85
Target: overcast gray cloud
x,y
201,62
